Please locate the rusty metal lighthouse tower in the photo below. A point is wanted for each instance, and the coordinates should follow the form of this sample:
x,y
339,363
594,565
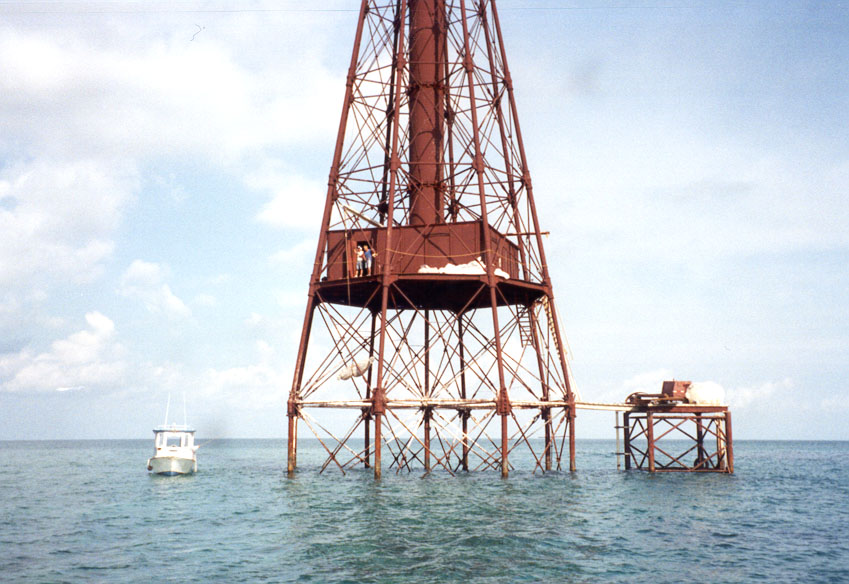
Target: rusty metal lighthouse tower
x,y
431,339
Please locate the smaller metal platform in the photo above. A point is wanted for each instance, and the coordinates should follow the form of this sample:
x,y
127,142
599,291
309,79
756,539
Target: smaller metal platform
x,y
690,439
666,433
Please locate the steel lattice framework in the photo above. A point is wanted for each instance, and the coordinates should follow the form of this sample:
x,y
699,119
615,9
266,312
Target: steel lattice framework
x,y
680,438
448,353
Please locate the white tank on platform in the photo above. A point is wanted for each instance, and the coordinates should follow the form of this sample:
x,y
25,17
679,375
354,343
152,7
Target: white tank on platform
x,y
705,393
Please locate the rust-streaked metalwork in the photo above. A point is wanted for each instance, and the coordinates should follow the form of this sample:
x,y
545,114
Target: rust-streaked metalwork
x,y
665,433
447,354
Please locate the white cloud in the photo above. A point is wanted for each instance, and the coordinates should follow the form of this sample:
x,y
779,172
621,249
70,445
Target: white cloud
x,y
207,300
296,201
255,320
83,108
743,397
90,358
292,299
646,382
256,386
837,403
732,204
58,220
144,281
66,93
300,253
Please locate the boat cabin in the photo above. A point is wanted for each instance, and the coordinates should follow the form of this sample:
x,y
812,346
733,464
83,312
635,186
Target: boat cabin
x,y
173,437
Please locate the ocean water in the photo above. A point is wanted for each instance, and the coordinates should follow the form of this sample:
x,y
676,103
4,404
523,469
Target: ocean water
x,y
87,511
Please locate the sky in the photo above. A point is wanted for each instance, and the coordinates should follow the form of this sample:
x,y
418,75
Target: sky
x,y
163,168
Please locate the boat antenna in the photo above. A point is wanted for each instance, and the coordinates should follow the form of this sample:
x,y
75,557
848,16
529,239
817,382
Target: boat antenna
x,y
167,407
185,423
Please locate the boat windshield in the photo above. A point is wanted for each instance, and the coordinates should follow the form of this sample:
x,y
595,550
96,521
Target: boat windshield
x,y
173,439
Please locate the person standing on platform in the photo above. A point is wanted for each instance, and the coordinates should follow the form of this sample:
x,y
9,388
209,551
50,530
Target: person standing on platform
x,y
360,261
369,258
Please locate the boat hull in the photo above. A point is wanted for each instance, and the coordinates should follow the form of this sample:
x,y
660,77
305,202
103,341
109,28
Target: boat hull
x,y
171,465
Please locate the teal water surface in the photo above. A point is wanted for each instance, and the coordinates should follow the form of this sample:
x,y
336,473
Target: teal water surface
x,y
87,511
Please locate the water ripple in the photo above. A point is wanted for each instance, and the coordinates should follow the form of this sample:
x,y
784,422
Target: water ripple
x,y
782,518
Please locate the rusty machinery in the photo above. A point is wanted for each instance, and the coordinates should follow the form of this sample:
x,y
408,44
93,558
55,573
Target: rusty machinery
x,y
445,352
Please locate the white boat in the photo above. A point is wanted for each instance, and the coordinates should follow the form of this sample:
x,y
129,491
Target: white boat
x,y
174,450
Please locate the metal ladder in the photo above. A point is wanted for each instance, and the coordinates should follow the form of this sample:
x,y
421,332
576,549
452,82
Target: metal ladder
x,y
526,331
